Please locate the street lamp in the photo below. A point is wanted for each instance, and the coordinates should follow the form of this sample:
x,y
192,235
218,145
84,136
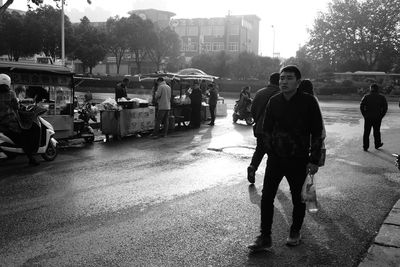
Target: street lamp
x,y
273,41
62,34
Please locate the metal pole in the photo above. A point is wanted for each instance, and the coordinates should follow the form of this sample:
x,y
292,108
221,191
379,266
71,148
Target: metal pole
x,y
273,41
62,34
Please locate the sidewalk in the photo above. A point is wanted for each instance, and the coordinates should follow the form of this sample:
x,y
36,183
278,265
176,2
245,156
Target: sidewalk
x,y
385,251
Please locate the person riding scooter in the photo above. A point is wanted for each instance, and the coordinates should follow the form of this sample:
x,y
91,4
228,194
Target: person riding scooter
x,y
242,108
9,123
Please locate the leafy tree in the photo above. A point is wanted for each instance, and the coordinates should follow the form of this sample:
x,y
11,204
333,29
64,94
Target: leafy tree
x,y
139,38
90,49
11,30
266,66
222,64
356,32
164,43
245,66
117,38
4,7
204,62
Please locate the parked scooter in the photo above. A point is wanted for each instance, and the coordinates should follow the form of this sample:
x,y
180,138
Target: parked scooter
x,y
82,126
242,111
47,144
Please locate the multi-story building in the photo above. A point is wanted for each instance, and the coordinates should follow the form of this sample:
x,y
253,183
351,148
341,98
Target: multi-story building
x,y
232,34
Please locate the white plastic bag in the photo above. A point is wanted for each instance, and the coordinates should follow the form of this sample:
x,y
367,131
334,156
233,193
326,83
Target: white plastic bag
x,y
309,194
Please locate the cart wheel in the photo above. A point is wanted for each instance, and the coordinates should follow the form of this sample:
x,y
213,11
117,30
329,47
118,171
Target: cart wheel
x,y
51,152
89,139
249,121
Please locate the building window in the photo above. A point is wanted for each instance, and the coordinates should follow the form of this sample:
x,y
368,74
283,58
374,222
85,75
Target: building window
x,y
206,30
207,46
218,46
233,46
180,30
192,47
192,31
218,31
234,29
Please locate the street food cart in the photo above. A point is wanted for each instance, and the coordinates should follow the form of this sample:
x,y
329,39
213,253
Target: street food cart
x,y
50,86
128,121
181,82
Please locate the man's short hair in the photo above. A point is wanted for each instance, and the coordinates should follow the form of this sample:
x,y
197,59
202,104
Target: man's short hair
x,y
125,80
274,78
374,87
160,79
292,68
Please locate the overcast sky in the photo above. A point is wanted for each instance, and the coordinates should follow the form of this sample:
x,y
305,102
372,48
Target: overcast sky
x,y
290,18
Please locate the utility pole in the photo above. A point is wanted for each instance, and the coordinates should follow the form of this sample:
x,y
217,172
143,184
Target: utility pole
x,y
273,41
62,34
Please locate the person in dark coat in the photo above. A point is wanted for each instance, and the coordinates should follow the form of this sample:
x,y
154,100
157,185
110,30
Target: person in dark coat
x,y
195,102
120,89
9,125
212,102
293,136
373,107
257,111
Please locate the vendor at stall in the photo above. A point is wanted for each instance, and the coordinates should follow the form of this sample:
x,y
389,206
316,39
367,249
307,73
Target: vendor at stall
x,y
120,89
195,102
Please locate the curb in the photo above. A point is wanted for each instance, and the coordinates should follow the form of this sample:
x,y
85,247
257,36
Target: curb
x,y
385,250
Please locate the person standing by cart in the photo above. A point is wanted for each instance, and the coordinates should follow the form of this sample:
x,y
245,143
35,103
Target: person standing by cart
x,y
120,89
163,99
212,102
195,102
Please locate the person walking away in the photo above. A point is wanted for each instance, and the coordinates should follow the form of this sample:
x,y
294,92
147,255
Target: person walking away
x,y
212,102
373,107
195,102
292,129
257,111
120,89
9,124
163,99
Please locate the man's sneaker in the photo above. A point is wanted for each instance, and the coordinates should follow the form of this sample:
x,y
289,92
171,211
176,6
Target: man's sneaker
x,y
378,146
262,242
294,239
251,174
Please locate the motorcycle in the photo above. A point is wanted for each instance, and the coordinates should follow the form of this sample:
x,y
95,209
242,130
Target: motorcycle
x,y
242,111
82,126
47,144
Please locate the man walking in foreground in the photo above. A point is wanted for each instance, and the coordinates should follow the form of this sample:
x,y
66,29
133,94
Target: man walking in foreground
x,y
373,107
293,138
257,111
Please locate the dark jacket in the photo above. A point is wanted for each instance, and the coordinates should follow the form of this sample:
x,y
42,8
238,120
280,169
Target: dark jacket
x,y
259,104
373,106
120,91
213,97
8,112
294,128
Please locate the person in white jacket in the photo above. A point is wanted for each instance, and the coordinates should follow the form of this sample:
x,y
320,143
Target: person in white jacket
x,y
163,99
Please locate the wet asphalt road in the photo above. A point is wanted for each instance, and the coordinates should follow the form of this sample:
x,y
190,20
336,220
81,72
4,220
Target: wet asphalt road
x,y
184,200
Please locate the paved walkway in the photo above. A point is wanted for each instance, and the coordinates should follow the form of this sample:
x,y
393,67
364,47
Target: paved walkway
x,y
385,251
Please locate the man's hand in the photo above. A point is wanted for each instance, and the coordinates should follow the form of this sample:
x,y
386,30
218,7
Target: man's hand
x,y
312,168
